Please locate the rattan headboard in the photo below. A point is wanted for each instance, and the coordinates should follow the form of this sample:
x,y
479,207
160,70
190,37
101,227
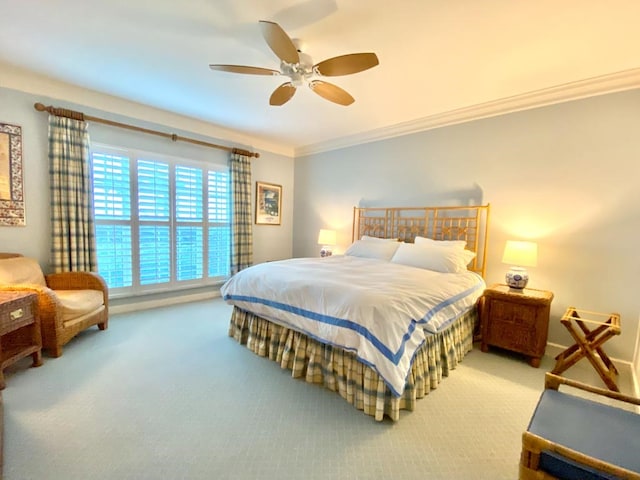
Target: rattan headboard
x,y
470,224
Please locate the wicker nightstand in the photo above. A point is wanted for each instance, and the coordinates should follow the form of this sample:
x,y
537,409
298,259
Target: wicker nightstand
x,y
19,329
516,320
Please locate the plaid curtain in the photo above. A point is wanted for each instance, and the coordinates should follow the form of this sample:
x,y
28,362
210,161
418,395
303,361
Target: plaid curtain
x,y
241,233
73,243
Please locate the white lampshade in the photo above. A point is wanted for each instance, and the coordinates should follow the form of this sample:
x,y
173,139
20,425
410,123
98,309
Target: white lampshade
x,y
519,254
326,238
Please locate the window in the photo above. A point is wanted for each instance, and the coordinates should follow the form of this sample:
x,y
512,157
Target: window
x,y
161,222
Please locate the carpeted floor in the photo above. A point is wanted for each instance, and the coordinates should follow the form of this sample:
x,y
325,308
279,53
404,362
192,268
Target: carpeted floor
x,y
165,394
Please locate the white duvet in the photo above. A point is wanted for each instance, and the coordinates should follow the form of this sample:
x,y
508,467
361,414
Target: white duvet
x,y
379,310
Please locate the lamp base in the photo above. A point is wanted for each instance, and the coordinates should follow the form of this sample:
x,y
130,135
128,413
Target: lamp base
x,y
325,252
517,278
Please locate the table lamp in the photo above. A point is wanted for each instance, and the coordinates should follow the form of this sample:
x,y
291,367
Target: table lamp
x,y
326,238
519,255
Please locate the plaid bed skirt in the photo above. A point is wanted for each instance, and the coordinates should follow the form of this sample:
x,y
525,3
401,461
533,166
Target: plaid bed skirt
x,y
340,371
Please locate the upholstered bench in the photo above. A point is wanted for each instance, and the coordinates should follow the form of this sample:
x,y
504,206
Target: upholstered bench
x,y
571,437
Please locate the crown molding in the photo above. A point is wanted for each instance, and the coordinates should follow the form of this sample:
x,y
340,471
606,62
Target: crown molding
x,y
615,82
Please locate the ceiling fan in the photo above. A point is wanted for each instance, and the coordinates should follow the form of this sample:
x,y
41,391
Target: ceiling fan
x,y
300,69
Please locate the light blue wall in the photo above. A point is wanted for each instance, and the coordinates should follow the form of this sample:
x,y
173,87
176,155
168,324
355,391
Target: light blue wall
x,y
270,242
567,176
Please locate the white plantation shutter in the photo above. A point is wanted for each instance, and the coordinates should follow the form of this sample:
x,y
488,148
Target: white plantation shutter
x,y
161,222
154,215
155,254
153,191
112,207
189,200
219,216
188,194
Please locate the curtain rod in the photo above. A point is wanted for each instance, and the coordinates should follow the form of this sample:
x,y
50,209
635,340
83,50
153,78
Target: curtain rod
x,y
63,112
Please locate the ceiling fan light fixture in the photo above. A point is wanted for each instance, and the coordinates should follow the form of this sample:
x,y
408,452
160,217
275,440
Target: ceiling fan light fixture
x,y
297,80
306,61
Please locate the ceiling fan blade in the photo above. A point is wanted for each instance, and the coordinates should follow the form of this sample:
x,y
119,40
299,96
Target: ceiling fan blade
x,y
346,64
282,94
279,42
244,69
331,92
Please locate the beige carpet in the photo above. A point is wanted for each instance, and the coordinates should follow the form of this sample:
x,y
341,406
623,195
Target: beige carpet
x,y
165,394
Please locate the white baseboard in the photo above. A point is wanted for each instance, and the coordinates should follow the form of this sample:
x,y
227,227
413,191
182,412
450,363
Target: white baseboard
x,y
162,302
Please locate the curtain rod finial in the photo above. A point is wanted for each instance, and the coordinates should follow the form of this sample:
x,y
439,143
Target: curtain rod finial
x,y
40,107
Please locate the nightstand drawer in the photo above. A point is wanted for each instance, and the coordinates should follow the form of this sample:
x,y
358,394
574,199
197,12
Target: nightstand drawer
x,y
15,314
503,334
508,312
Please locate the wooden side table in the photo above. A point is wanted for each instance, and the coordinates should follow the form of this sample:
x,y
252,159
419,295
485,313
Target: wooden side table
x,y
19,329
516,320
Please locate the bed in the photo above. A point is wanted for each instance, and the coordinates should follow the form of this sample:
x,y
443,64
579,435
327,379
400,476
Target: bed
x,y
380,325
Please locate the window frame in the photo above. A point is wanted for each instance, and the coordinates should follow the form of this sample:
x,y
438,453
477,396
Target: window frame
x,y
205,224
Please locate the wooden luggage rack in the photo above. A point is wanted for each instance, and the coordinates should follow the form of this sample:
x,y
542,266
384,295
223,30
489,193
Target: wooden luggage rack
x,y
589,343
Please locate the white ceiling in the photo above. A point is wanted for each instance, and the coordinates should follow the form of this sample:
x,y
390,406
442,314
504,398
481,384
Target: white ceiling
x,y
436,56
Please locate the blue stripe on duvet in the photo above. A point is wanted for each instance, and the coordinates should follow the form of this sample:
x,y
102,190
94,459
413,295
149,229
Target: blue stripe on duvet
x,y
338,322
450,301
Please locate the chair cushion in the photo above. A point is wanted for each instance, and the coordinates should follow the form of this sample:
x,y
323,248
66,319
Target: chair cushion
x,y
21,270
76,303
604,432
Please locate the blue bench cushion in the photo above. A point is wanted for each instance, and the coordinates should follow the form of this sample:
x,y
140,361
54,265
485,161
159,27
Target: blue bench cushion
x,y
567,469
603,432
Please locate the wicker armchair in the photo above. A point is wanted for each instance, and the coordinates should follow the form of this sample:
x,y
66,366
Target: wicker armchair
x,y
68,302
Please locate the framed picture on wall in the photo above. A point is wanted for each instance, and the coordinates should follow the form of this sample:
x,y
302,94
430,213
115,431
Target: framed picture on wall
x,y
268,203
11,190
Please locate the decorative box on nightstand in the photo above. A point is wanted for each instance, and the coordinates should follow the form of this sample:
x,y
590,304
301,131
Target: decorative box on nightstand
x,y
516,320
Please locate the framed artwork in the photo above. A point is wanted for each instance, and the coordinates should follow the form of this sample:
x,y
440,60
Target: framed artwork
x,y
268,203
11,189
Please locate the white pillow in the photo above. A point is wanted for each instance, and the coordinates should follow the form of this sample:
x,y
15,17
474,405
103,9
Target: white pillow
x,y
429,257
369,249
444,243
377,239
